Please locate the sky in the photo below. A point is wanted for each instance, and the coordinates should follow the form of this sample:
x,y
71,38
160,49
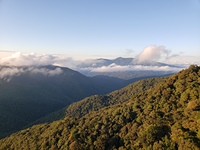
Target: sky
x,y
101,28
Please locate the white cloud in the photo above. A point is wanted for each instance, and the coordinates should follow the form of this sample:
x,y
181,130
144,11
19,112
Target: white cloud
x,y
115,68
95,65
45,71
32,59
152,53
90,63
19,59
111,68
7,73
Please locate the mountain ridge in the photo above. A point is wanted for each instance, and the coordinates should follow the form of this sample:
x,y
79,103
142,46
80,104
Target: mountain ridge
x,y
163,116
28,93
125,68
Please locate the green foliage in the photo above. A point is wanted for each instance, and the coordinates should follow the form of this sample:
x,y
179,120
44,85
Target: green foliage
x,y
155,114
28,96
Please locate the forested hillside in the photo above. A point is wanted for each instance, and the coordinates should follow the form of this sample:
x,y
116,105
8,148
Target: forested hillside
x,y
31,92
152,114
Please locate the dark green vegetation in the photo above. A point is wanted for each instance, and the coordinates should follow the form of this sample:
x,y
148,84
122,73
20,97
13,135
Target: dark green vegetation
x,y
156,114
29,93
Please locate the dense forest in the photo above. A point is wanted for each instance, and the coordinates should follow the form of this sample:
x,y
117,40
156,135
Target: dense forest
x,y
153,114
29,93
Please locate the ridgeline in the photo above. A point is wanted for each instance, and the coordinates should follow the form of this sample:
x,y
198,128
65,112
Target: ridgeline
x,y
158,113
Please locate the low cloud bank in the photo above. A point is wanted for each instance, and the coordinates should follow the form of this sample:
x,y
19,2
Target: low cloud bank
x,y
6,73
20,59
147,60
45,71
116,68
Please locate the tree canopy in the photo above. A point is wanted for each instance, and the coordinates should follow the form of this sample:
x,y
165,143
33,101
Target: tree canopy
x,y
156,114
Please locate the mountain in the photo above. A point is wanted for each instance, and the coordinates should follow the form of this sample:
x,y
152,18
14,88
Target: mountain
x,y
70,110
119,61
30,93
128,75
156,114
105,62
125,68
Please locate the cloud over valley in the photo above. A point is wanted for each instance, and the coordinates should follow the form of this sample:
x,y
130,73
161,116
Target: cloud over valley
x,y
149,59
7,73
117,68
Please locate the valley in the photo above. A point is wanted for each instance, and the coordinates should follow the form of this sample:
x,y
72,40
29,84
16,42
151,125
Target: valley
x,y
156,113
29,93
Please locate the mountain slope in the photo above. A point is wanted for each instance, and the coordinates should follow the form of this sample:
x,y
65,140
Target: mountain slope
x,y
96,102
163,116
29,93
128,75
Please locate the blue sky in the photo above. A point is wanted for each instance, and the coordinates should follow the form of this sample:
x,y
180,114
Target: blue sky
x,y
100,28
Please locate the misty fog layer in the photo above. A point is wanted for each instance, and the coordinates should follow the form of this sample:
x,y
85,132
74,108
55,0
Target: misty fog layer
x,y
6,73
150,58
